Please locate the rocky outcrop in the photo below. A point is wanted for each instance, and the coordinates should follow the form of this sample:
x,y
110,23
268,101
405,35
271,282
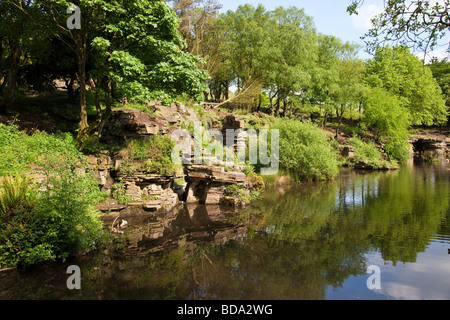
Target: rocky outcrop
x,y
134,191
100,166
207,184
431,148
431,144
126,124
347,151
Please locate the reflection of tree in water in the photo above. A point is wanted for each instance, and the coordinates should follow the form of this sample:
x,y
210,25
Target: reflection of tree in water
x,y
293,244
313,236
394,212
409,210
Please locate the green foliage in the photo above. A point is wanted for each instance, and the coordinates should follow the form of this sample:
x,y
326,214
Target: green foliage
x,y
13,194
249,169
385,114
153,156
368,152
119,193
441,72
403,75
122,45
20,151
305,151
365,150
242,194
53,217
421,25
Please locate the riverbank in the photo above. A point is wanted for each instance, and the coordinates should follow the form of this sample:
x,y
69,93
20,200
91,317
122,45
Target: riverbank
x,y
131,163
306,241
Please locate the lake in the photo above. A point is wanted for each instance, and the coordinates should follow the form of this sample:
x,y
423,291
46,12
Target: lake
x,y
312,241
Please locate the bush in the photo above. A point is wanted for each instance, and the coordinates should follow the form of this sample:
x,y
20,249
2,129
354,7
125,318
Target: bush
x,y
53,218
368,152
305,151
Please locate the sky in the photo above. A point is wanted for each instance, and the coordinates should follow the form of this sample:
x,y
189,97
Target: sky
x,y
330,17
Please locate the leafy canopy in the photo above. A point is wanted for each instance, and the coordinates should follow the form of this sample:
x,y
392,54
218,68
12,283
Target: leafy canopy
x,y
402,74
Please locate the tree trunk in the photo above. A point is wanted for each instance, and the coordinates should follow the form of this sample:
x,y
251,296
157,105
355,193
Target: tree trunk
x,y
325,119
80,49
107,113
341,117
285,109
82,82
11,76
226,90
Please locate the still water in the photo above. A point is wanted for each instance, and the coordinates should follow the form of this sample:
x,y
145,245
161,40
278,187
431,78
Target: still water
x,y
306,241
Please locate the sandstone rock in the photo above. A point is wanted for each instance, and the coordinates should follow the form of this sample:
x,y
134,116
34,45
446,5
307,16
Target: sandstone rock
x,y
132,191
207,184
232,121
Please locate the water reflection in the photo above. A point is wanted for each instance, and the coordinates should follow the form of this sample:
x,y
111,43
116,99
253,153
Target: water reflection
x,y
307,241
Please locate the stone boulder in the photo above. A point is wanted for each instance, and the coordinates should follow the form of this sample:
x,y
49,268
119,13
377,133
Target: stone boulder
x,y
207,184
133,124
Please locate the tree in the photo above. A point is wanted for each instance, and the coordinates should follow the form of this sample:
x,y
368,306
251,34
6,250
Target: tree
x,y
417,23
336,77
196,21
441,72
289,56
14,24
325,74
388,118
203,36
402,74
122,61
350,87
135,49
243,46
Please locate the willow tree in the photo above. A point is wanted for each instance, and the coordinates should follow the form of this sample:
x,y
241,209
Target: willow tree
x,y
244,42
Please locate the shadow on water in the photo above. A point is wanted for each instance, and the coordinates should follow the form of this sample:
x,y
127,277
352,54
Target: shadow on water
x,y
302,241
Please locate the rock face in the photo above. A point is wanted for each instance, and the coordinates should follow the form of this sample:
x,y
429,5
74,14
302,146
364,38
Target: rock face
x,y
142,192
146,193
431,148
100,166
431,144
135,124
207,184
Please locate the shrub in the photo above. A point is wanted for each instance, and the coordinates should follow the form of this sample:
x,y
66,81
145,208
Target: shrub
x,y
241,194
368,152
305,151
51,219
